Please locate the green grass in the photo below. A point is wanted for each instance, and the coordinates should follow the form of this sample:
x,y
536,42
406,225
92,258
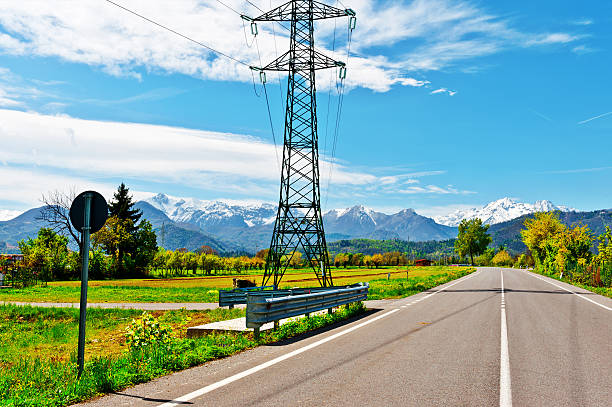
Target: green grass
x,y
197,289
56,293
35,381
51,333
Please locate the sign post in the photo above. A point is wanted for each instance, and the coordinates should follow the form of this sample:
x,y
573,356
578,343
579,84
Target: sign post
x,y
88,214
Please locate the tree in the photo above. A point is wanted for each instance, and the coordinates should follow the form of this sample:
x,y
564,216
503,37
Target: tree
x,y
377,260
206,250
145,243
573,246
47,254
114,236
296,259
262,254
130,241
538,230
122,206
604,248
502,258
472,239
55,213
486,258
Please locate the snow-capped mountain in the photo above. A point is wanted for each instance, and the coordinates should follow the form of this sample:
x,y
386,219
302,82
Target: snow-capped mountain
x,y
212,215
499,211
359,221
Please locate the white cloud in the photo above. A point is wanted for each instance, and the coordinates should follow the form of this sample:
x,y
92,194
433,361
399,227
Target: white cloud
x,y
26,186
554,38
42,152
96,33
583,21
442,91
433,189
582,49
7,214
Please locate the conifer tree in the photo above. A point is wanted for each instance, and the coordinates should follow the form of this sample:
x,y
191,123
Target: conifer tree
x,y
122,205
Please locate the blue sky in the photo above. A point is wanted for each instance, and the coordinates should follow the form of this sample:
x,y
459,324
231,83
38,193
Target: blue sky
x,y
449,103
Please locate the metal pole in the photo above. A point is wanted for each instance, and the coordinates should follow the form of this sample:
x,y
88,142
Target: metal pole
x,y
83,305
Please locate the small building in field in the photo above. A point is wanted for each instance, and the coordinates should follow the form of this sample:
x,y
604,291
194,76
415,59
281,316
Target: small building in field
x,y
422,262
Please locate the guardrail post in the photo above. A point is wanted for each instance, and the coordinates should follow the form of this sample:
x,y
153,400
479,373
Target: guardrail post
x,y
256,333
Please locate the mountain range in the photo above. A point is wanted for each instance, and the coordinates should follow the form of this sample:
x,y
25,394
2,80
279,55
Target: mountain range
x,y
245,227
499,211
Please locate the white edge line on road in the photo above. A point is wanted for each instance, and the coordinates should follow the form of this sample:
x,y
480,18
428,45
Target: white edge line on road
x,y
238,376
505,387
569,291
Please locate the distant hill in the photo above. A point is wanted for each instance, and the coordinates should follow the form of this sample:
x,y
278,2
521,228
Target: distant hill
x,y
19,228
372,246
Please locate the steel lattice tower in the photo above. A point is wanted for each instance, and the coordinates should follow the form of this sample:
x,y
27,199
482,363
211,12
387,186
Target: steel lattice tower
x,y
299,222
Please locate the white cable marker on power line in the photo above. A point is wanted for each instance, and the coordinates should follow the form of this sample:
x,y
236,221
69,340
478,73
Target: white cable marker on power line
x,y
505,388
238,376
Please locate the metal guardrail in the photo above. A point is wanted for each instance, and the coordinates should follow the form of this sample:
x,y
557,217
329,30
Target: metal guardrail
x,y
262,309
236,296
239,295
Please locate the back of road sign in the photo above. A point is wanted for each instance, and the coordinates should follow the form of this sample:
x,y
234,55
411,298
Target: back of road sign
x,y
98,212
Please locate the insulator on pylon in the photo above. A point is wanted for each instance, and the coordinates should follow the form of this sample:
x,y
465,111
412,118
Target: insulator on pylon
x,y
254,28
262,76
352,22
342,73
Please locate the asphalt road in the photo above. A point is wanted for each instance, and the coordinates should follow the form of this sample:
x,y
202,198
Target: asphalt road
x,y
470,342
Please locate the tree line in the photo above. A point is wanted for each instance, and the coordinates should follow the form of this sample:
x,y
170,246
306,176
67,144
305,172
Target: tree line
x,y
552,248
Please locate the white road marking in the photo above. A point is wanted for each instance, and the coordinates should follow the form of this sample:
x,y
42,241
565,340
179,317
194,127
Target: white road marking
x,y
505,388
238,376
569,291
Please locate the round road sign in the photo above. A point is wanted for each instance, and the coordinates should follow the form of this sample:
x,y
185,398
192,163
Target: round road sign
x,y
98,211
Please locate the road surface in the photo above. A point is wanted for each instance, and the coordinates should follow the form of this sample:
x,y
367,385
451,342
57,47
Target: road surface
x,y
495,337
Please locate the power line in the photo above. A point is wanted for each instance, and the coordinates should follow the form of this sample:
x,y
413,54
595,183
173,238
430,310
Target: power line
x,y
222,3
268,106
339,111
178,33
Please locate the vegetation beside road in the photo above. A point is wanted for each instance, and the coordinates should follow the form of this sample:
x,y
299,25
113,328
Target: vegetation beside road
x,y
565,253
43,379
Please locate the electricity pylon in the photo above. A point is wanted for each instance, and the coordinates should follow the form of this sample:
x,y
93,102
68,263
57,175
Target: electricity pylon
x,y
299,222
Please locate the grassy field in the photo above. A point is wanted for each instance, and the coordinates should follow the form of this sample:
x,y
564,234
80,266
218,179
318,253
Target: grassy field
x,y
199,289
37,363
50,333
